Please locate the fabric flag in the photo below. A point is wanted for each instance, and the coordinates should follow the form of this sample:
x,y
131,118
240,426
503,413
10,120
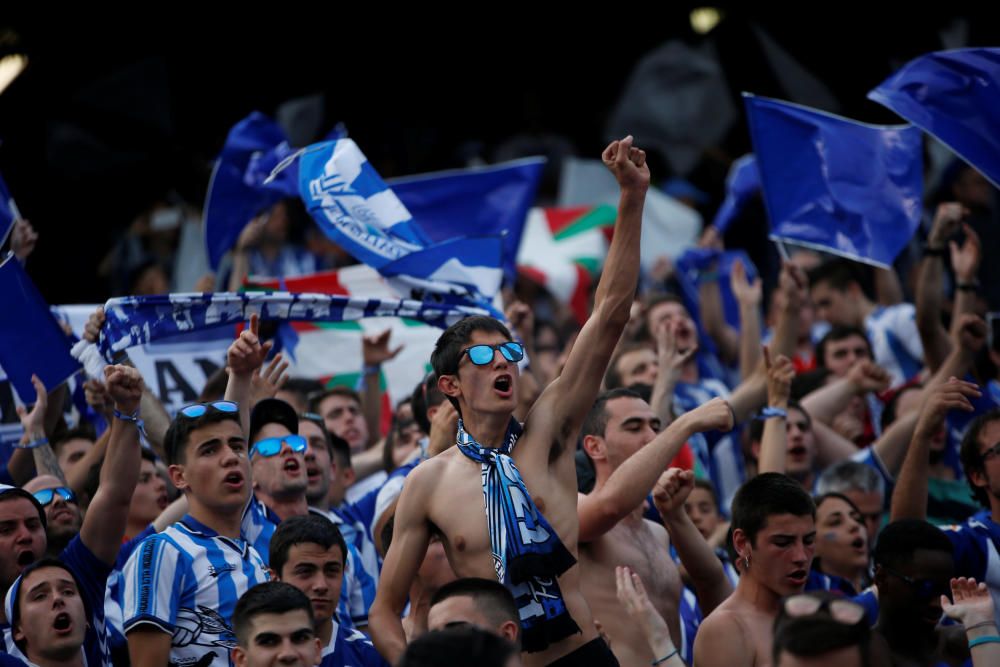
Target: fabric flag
x,y
955,97
137,320
8,213
31,340
742,183
564,249
356,209
668,226
480,201
834,184
330,352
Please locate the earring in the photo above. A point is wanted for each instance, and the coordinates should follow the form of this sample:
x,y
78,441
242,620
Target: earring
x,y
746,562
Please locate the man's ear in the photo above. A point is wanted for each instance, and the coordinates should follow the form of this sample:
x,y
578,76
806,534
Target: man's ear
x,y
239,656
595,447
449,385
509,631
978,478
176,473
741,543
274,574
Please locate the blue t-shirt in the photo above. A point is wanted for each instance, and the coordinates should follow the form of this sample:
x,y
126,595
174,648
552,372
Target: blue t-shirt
x,y
350,648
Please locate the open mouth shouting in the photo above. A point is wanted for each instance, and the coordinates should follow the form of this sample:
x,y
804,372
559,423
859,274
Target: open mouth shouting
x,y
63,624
798,578
503,384
292,467
234,481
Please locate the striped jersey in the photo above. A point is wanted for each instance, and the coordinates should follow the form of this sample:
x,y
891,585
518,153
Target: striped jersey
x,y
350,648
977,552
892,331
186,581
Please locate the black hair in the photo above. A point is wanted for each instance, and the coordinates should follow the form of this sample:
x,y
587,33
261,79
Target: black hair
x,y
176,439
972,461
490,596
316,399
308,529
425,396
270,597
839,274
838,333
596,422
818,634
806,383
766,495
465,646
448,349
899,539
613,377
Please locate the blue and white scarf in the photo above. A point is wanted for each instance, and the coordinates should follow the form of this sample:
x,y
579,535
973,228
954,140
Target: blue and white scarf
x,y
527,552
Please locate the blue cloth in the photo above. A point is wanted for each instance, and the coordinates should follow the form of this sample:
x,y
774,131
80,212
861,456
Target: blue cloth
x,y
742,183
350,648
113,599
7,217
977,552
137,320
91,575
953,96
837,185
31,340
527,552
481,201
186,581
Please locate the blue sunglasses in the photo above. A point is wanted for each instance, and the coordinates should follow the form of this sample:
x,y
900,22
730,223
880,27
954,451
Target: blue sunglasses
x,y
45,496
268,447
482,355
198,409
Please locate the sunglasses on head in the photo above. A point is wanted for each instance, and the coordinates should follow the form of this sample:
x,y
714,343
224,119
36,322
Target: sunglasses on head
x,y
842,611
924,589
198,409
482,355
269,447
45,496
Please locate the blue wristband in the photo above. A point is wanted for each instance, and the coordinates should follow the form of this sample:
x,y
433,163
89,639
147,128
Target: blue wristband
x,y
987,639
33,444
769,412
135,419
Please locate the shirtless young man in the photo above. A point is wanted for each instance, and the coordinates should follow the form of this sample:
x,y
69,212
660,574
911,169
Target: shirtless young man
x,y
774,528
620,437
445,494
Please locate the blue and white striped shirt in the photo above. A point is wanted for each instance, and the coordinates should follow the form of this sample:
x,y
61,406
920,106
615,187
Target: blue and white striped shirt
x,y
350,648
186,581
892,331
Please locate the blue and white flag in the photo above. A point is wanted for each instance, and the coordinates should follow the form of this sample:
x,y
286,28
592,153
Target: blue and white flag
x,y
834,184
953,96
31,341
8,212
357,210
138,320
742,183
480,201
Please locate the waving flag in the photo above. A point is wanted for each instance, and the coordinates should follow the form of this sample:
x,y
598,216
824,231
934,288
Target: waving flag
x,y
356,209
31,341
837,185
475,202
955,97
742,183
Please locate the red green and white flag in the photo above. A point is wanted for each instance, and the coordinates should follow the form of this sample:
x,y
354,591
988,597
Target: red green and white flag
x,y
563,249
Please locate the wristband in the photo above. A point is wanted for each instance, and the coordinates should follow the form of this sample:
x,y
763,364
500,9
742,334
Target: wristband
x,y
931,251
983,624
33,444
674,652
372,369
987,639
770,412
135,419
967,287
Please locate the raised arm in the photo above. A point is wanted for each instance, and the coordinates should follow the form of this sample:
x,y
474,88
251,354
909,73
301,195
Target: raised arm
x,y
827,402
670,362
410,537
774,441
34,438
933,336
375,351
710,581
713,319
561,409
245,356
748,295
629,485
104,526
633,598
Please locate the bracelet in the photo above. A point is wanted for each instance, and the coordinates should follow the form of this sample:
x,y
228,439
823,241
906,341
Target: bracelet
x,y
967,287
135,419
674,652
931,251
983,624
987,639
33,444
373,369
770,412
708,277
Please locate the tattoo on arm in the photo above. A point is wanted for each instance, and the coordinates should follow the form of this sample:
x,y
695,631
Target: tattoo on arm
x,y
46,463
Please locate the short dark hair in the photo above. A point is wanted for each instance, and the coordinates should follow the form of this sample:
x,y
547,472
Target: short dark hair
x,y
425,396
969,453
339,390
337,447
838,274
596,422
806,383
176,439
768,494
818,633
613,377
837,333
270,597
491,597
899,539
706,485
465,646
308,529
83,432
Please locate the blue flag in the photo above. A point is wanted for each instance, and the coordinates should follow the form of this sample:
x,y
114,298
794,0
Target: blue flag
x,y
742,183
482,201
7,216
955,97
834,184
31,340
357,210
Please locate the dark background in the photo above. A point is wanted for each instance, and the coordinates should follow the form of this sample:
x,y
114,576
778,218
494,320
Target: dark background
x,y
112,114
